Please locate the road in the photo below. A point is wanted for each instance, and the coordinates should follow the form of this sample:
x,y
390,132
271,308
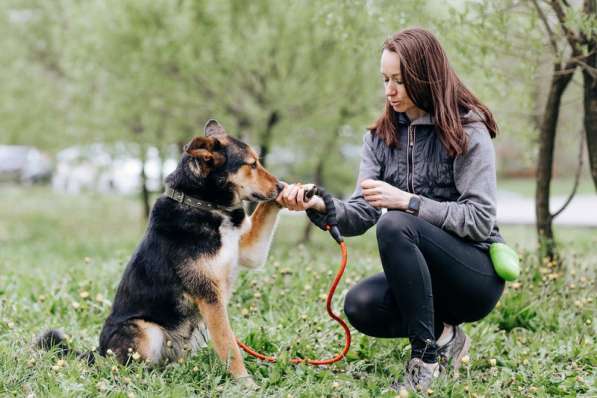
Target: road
x,y
516,209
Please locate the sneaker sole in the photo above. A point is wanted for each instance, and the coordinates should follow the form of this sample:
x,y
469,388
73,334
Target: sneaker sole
x,y
458,360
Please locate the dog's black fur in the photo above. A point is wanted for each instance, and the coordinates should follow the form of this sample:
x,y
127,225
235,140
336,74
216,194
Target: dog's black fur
x,y
162,282
151,287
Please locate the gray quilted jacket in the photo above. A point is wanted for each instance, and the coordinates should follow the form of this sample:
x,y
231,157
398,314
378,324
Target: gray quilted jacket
x,y
458,194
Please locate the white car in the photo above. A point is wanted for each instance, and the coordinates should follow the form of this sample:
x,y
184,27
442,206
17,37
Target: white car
x,y
113,168
24,164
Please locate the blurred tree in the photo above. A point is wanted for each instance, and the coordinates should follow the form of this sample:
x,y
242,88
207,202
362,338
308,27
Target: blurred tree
x,y
496,47
34,97
128,73
586,39
296,79
506,43
572,37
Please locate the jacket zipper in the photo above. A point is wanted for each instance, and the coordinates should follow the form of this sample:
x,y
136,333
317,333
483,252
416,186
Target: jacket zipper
x,y
410,162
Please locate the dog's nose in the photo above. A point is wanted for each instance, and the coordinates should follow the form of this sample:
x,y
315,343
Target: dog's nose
x,y
280,186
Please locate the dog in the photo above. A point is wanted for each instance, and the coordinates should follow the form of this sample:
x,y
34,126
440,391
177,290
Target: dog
x,y
181,276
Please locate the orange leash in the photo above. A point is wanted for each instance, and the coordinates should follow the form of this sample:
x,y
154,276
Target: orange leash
x,y
332,315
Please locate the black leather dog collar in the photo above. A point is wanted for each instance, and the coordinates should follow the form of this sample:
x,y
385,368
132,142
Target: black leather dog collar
x,y
181,198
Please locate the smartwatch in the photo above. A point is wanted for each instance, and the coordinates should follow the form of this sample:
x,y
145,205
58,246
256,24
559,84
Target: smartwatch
x,y
414,204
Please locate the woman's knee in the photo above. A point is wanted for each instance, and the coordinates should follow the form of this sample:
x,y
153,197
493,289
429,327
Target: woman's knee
x,y
396,225
357,305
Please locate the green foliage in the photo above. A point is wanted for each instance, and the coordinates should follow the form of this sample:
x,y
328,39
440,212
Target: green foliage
x,y
61,258
80,72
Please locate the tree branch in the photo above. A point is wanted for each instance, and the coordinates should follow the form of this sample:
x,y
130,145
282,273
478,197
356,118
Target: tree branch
x,y
576,177
552,36
586,67
573,40
588,8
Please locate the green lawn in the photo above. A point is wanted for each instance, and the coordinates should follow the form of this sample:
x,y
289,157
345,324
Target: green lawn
x,y
61,258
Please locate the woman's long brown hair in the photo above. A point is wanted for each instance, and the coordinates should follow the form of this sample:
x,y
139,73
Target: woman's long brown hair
x,y
434,87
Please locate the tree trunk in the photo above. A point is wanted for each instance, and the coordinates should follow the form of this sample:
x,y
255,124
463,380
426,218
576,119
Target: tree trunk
x,y
266,137
547,136
590,95
144,191
161,170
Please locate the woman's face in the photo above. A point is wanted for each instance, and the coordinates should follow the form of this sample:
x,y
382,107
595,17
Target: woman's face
x,y
394,88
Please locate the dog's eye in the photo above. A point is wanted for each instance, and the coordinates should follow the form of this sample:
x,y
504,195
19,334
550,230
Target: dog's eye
x,y
253,165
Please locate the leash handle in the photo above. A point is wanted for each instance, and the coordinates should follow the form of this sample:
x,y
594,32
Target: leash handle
x,y
332,225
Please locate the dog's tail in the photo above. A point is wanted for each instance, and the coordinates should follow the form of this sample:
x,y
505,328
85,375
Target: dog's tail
x,y
54,339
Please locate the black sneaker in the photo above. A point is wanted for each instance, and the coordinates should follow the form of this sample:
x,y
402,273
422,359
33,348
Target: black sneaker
x,y
418,377
451,353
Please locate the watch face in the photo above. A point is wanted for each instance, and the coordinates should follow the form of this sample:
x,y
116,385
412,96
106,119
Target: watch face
x,y
413,204
417,204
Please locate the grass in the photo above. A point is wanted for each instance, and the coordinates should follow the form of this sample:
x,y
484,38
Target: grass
x,y
61,258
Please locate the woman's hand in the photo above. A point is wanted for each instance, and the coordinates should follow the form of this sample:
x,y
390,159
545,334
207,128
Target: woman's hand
x,y
292,196
381,194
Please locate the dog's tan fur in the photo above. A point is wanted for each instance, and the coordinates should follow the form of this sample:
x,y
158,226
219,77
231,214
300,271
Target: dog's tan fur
x,y
181,277
246,246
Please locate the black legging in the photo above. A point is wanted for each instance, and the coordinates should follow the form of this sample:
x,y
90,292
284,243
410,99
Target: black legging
x,y
430,277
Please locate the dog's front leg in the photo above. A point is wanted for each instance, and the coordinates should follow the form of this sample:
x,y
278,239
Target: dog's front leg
x,y
255,243
218,325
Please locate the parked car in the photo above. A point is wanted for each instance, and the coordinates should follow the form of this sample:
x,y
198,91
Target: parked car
x,y
24,164
109,168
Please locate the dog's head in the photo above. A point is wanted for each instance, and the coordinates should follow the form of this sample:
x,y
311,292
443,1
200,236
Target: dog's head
x,y
222,162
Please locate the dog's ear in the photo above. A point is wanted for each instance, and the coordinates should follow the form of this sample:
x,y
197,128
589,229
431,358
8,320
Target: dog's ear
x,y
208,143
213,127
205,149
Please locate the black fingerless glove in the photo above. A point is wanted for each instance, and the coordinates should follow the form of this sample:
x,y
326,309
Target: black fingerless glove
x,y
327,218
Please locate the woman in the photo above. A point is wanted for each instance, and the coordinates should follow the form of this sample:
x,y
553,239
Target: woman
x,y
429,160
